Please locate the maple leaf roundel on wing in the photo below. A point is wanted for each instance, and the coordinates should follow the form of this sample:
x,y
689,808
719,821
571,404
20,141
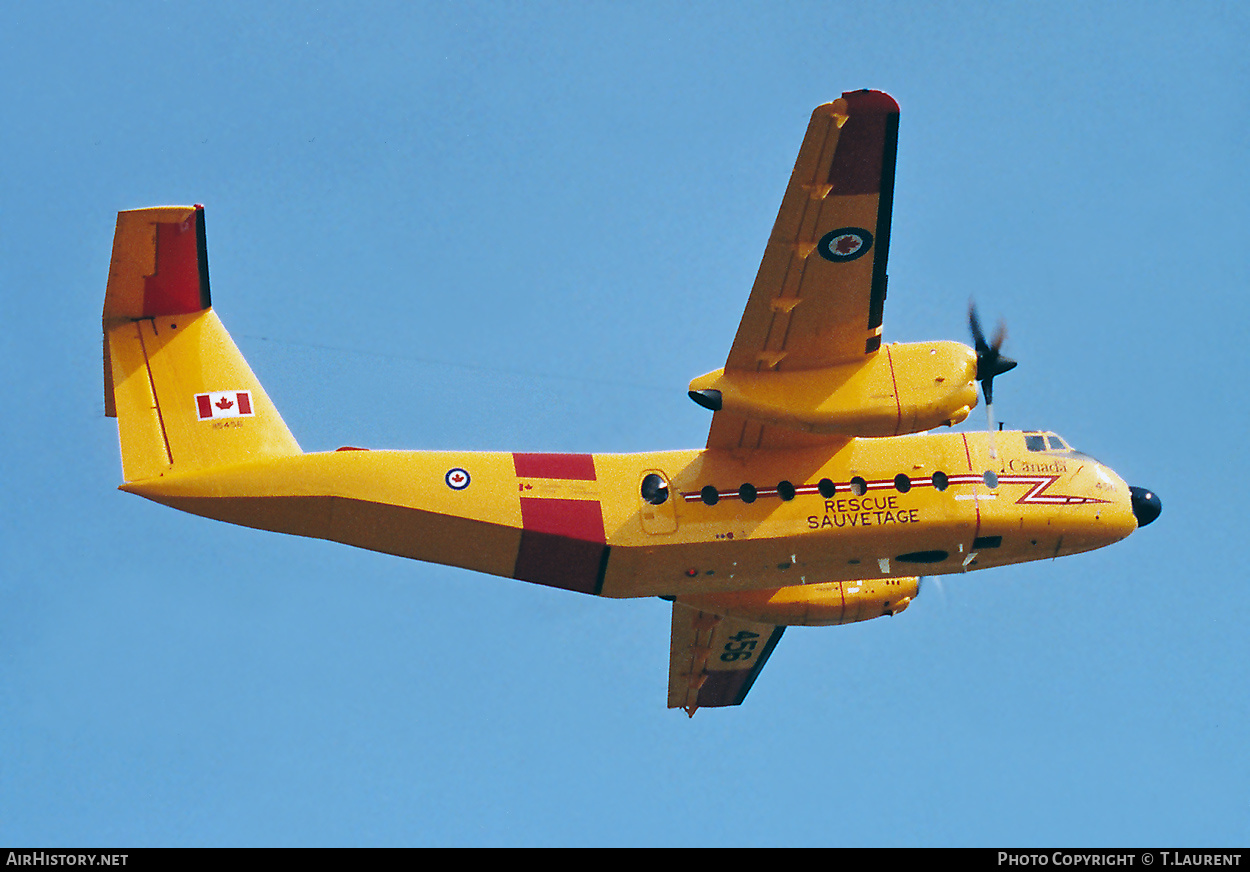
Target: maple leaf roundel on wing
x,y
845,243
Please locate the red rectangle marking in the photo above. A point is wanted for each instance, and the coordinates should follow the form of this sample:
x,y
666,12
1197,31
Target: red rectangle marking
x,y
580,467
562,544
572,519
555,561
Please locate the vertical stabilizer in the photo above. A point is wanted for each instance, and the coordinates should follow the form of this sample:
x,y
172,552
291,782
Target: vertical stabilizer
x,y
183,395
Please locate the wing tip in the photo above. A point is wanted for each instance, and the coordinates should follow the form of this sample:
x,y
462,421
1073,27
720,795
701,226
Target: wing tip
x,y
864,101
867,101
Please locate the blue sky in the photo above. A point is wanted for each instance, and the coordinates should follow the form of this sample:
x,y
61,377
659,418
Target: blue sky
x,y
527,226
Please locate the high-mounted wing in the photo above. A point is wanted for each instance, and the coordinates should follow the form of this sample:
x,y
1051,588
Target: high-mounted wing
x,y
714,660
819,295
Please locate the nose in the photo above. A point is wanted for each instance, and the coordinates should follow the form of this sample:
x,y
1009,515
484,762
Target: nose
x,y
1146,505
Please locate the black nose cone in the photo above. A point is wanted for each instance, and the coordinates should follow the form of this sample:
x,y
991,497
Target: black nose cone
x,y
1146,505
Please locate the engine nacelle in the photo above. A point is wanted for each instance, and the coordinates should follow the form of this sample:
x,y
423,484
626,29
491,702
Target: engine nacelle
x,y
813,605
903,388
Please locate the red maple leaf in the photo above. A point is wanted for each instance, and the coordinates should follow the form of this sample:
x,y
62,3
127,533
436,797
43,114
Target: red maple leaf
x,y
847,244
223,403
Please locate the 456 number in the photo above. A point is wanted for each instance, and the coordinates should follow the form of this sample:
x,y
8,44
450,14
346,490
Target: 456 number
x,y
741,646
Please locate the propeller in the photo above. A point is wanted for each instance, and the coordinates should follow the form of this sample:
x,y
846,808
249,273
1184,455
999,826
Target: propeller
x,y
923,583
990,360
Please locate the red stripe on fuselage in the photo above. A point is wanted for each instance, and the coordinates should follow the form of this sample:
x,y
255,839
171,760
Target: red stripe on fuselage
x,y
562,544
578,467
976,503
572,519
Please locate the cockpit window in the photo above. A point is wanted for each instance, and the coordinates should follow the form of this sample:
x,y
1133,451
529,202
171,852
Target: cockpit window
x,y
1044,442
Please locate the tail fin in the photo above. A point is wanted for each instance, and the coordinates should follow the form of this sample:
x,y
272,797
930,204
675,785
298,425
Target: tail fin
x,y
183,395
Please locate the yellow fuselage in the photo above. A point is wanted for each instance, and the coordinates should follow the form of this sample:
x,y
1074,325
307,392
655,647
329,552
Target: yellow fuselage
x,y
924,504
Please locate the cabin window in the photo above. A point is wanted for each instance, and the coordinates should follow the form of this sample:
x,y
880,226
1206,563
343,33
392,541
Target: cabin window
x,y
1035,442
710,495
747,493
826,487
859,487
902,483
991,479
940,481
786,490
1056,443
654,489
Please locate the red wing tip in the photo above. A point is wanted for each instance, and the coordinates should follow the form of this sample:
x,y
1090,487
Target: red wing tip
x,y
865,100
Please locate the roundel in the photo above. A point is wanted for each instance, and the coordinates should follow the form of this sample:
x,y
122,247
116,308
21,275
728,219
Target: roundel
x,y
845,243
457,479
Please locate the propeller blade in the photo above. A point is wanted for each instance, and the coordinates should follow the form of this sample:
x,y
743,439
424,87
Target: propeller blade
x,y
991,361
978,338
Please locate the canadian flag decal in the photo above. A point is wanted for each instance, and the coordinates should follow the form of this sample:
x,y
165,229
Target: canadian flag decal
x,y
224,404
